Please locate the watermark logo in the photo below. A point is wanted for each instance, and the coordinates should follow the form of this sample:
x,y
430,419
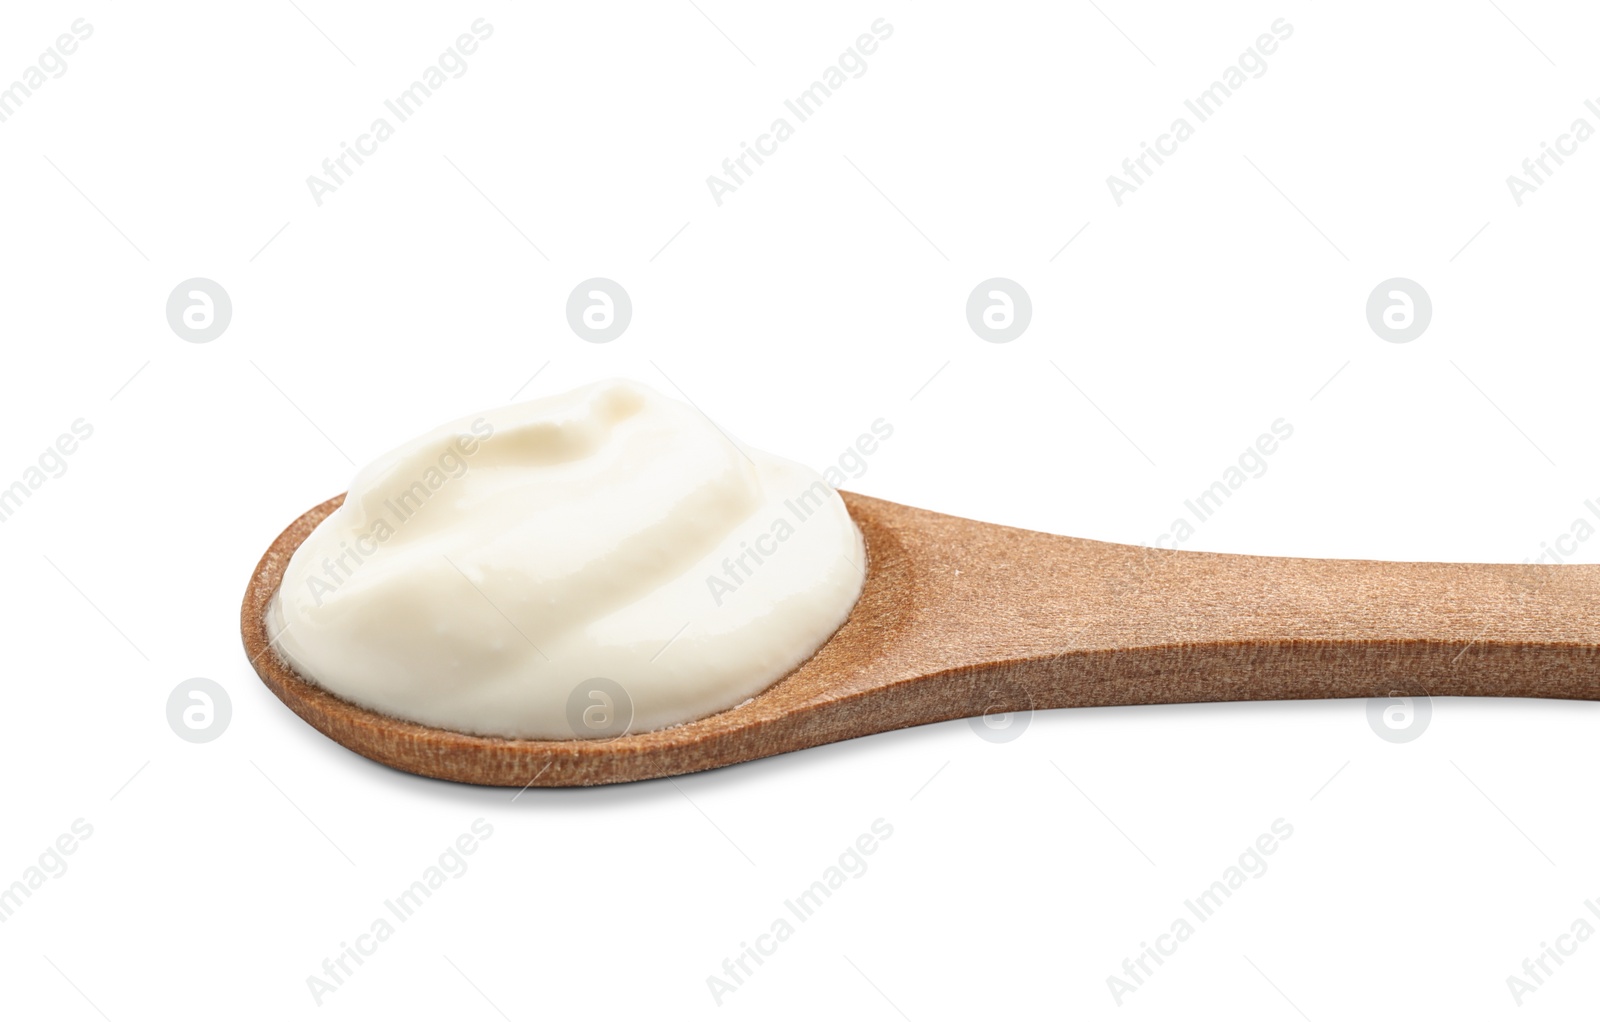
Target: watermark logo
x,y
1399,717
1251,865
1251,464
1552,955
199,710
1000,725
199,310
1137,170
741,566
851,864
452,63
52,63
599,710
51,865
450,864
402,504
1537,170
52,464
852,63
599,309
1398,310
999,310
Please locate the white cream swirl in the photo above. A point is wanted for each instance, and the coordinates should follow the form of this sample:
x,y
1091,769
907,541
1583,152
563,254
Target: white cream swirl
x,y
602,561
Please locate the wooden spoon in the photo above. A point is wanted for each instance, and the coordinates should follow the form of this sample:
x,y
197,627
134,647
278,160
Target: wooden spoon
x,y
960,618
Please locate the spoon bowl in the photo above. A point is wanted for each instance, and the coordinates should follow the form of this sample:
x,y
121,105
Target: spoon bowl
x,y
959,618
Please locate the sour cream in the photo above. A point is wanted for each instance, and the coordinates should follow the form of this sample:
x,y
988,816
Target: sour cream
x,y
579,566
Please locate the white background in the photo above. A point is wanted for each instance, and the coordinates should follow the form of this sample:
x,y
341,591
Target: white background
x,y
1227,292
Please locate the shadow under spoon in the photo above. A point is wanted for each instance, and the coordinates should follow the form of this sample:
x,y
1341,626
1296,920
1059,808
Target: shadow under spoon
x,y
959,618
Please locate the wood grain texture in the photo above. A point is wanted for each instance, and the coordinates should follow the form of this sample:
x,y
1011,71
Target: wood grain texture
x,y
961,618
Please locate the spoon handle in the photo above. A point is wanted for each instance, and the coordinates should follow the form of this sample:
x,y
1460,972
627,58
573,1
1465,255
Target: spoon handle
x,y
1031,619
